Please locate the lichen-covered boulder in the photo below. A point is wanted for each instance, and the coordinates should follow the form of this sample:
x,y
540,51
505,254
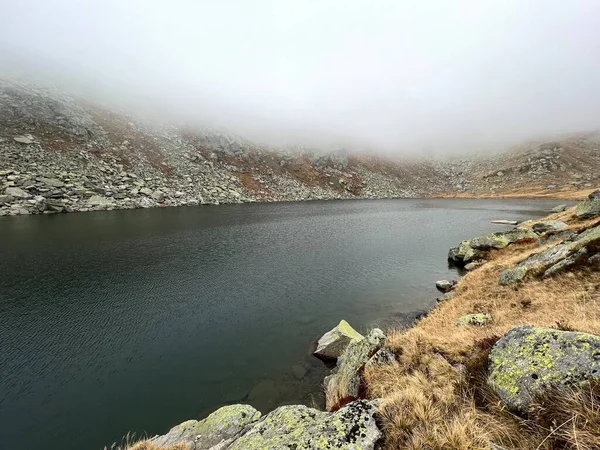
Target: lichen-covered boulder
x,y
215,432
527,361
463,253
299,427
475,248
567,262
334,342
445,285
479,320
559,208
544,226
512,276
588,209
345,382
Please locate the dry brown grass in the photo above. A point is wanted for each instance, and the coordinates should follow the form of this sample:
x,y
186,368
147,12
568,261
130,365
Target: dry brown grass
x,y
535,192
437,397
151,445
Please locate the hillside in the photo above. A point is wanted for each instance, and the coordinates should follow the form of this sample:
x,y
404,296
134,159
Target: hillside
x,y
61,154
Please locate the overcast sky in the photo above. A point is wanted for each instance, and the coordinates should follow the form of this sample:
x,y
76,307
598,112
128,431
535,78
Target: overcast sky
x,y
404,76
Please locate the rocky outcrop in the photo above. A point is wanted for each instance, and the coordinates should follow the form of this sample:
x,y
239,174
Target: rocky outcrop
x,y
240,427
590,208
478,319
216,432
333,343
544,226
529,361
475,248
555,259
345,382
353,427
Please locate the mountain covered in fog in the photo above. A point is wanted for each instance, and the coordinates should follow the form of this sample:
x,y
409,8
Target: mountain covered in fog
x,y
61,154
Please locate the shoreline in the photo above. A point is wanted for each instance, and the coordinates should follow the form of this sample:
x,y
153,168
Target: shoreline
x,y
428,384
126,207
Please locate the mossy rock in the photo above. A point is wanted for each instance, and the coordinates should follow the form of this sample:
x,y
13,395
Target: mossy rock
x,y
475,248
588,209
544,226
512,276
479,319
216,431
332,344
302,428
344,383
529,361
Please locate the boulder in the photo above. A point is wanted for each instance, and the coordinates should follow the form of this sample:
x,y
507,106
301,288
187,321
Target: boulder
x,y
559,208
99,200
332,344
529,361
512,276
145,191
345,382
588,209
567,262
17,193
52,182
473,249
158,196
548,225
479,320
445,285
217,431
299,427
594,195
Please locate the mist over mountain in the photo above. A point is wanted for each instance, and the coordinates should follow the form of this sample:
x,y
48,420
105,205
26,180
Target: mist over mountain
x,y
394,77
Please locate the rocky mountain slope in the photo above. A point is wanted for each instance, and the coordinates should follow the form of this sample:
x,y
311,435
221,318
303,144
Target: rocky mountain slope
x,y
61,154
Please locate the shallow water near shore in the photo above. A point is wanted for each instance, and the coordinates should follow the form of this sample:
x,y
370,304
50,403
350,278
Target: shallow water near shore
x,y
137,320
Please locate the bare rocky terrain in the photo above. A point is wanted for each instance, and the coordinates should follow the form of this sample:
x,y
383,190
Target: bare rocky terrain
x,y
61,154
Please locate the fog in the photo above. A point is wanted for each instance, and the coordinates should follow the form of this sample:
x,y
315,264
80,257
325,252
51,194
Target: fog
x,y
405,77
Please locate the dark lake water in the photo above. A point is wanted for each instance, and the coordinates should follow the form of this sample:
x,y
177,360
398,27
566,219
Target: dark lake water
x,y
137,320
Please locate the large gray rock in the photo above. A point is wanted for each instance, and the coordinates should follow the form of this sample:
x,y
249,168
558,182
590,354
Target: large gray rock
x,y
548,225
529,361
332,344
474,249
588,209
17,193
555,259
445,285
345,382
216,432
299,427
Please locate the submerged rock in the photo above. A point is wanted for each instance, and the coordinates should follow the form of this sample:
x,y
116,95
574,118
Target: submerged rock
x,y
334,342
479,320
504,222
529,361
345,382
215,432
299,427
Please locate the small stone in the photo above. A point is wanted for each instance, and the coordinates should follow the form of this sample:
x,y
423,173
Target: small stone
x,y
559,208
512,276
445,285
24,139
